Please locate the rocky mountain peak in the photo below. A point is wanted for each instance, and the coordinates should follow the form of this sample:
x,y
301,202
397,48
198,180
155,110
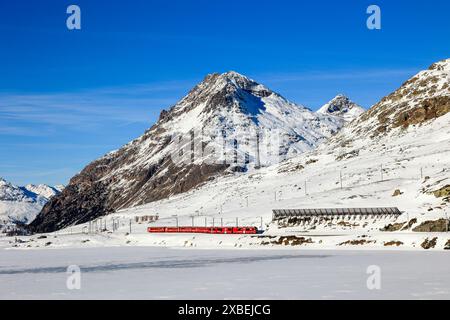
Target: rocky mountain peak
x,y
10,192
443,65
341,106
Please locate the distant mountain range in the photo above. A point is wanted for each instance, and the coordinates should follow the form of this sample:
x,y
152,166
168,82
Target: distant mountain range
x,y
343,108
22,204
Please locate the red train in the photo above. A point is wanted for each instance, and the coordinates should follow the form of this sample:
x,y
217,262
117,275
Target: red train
x,y
210,230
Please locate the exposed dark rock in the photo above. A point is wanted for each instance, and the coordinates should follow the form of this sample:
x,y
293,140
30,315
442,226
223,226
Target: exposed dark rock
x,y
356,242
347,224
442,192
428,109
410,224
429,244
393,243
289,241
399,226
447,245
440,225
348,155
393,227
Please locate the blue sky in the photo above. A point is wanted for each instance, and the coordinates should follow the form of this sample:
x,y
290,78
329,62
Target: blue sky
x,y
68,97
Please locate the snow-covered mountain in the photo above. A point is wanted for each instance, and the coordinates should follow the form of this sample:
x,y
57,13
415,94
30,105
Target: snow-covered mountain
x,y
43,190
226,123
22,204
343,108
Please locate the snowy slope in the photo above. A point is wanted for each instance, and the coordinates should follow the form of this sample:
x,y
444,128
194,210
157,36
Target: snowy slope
x,y
342,108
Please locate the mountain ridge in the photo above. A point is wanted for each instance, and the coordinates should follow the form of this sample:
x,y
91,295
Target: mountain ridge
x,y
22,204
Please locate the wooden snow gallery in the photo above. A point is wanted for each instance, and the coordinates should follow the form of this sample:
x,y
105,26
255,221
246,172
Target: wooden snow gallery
x,y
313,216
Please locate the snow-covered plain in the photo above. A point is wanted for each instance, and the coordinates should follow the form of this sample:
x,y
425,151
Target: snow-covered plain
x,y
162,273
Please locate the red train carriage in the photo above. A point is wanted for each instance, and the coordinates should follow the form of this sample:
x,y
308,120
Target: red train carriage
x,y
209,230
244,230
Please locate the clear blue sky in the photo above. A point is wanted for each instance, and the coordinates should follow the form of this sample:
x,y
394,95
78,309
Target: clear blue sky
x,y
68,97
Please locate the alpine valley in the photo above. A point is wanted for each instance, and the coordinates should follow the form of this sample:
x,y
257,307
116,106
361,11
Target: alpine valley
x,y
396,154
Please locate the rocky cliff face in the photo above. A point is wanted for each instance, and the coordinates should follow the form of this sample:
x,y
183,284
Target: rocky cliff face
x,y
227,123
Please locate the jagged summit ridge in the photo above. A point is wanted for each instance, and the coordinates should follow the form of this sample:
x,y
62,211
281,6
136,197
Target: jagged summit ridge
x,y
341,106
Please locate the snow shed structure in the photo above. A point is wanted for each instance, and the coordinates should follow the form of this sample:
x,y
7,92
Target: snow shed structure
x,y
391,212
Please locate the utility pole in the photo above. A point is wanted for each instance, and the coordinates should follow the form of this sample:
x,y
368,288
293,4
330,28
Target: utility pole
x,y
261,223
340,177
306,193
275,196
130,226
381,172
446,222
237,221
221,222
258,160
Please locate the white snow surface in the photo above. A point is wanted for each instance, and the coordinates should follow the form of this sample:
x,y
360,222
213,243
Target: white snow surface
x,y
159,273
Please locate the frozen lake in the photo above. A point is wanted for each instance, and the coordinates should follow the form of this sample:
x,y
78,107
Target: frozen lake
x,y
160,273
